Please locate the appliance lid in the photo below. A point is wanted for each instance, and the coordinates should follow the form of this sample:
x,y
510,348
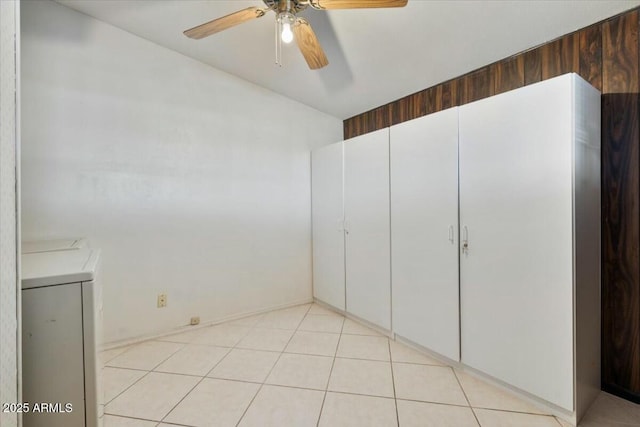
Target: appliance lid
x,y
59,267
53,245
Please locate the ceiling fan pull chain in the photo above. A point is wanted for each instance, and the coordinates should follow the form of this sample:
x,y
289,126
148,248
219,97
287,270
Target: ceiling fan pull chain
x,y
278,44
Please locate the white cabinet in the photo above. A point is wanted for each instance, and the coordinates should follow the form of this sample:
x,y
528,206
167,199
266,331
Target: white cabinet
x,y
328,216
512,289
529,193
424,232
366,203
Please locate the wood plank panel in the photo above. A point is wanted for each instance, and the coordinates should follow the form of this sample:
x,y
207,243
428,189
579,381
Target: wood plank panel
x,y
448,93
532,66
417,105
621,213
508,74
381,118
560,56
399,110
591,55
475,86
433,100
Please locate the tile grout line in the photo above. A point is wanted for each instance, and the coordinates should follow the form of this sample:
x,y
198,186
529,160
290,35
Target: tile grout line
x,y
192,388
230,349
465,395
333,362
139,379
132,418
205,375
393,382
183,345
558,421
274,365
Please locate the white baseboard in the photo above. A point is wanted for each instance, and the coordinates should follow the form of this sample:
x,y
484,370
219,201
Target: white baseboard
x,y
135,340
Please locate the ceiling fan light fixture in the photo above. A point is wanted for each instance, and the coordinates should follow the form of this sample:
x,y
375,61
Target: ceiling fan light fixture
x,y
286,20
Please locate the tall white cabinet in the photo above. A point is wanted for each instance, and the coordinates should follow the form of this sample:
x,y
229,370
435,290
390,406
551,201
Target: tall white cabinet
x,y
328,232
351,230
475,233
529,193
367,228
424,224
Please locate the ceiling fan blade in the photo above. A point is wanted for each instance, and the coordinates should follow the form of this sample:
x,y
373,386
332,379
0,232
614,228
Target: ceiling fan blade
x,y
309,45
231,20
356,4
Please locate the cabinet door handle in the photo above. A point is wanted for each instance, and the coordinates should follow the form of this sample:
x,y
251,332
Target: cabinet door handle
x,y
346,226
465,240
451,234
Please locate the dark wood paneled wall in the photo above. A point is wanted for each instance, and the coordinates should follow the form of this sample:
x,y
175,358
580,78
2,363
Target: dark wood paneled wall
x,y
607,55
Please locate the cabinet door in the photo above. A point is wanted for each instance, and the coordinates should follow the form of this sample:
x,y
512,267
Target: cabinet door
x,y
52,354
516,212
424,232
366,196
328,216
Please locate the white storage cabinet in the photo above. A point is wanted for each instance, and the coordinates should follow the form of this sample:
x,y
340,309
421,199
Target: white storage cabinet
x,y
424,232
530,224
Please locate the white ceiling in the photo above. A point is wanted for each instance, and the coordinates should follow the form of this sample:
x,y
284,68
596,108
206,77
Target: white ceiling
x,y
375,55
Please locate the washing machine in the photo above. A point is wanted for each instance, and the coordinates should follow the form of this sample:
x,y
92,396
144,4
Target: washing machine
x,y
61,334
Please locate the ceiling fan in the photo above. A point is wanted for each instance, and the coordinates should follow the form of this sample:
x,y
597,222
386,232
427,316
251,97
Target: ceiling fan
x,y
289,25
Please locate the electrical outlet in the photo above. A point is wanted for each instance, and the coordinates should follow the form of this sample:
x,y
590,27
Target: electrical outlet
x,y
195,320
162,300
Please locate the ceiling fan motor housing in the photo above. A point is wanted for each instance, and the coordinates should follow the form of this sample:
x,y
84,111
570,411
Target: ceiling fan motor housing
x,y
292,6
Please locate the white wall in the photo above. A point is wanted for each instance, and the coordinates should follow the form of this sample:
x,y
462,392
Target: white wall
x,y
9,339
191,181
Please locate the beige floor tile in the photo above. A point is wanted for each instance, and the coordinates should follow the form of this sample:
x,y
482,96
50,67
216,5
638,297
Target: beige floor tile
x,y
354,328
246,321
422,414
113,421
283,406
609,408
301,370
318,309
363,347
493,418
405,354
362,377
107,355
117,380
288,318
266,339
245,365
318,343
146,355
348,410
427,383
193,359
185,337
152,397
214,403
563,423
221,335
322,323
484,395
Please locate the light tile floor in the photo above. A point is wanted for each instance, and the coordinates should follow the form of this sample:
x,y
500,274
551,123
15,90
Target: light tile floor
x,y
308,366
